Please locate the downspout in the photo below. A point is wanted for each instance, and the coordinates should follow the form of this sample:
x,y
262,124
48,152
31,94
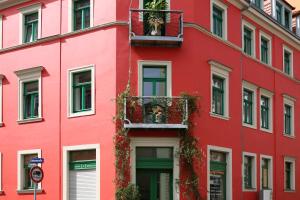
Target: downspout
x,y
275,140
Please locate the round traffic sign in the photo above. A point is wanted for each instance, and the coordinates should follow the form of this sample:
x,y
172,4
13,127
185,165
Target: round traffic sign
x,y
36,174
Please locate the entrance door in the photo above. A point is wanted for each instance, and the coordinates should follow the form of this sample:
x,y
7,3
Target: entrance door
x,y
218,176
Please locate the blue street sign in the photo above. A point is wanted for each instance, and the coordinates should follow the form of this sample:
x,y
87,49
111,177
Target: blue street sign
x,y
37,160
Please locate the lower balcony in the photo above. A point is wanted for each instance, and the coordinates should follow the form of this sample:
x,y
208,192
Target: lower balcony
x,y
156,28
156,112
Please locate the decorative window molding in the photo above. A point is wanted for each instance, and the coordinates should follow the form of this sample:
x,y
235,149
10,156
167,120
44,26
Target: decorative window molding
x,y
265,36
29,10
228,151
25,76
290,101
153,63
71,72
269,95
223,7
222,71
157,142
1,101
253,38
20,167
253,171
66,158
71,14
288,50
253,89
292,161
270,170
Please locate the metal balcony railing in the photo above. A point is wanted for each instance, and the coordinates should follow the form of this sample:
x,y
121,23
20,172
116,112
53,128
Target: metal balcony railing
x,y
156,112
155,27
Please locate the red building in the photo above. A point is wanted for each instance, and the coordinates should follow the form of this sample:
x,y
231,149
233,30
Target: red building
x,y
63,62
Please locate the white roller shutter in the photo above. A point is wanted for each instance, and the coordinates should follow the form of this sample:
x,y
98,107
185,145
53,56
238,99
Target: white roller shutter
x,y
82,184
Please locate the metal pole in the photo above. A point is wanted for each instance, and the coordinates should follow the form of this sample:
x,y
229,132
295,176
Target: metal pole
x,y
34,194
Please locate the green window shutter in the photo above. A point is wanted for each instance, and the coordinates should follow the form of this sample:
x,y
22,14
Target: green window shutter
x,y
218,21
248,106
82,94
287,119
247,41
30,27
31,100
264,112
218,95
81,14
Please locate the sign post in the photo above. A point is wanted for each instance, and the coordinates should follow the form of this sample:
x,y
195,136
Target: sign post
x,y
36,173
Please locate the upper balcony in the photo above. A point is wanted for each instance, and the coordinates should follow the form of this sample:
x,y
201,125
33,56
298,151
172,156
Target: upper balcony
x,y
156,27
156,112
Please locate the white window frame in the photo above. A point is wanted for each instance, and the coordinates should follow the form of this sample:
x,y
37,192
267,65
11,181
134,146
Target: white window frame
x,y
253,171
24,76
293,174
66,158
222,6
167,64
228,151
268,94
71,15
252,88
70,90
270,170
269,38
222,71
28,10
1,31
20,167
287,100
1,101
157,142
287,49
253,41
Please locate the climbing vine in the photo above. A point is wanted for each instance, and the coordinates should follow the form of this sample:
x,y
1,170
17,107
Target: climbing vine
x,y
189,152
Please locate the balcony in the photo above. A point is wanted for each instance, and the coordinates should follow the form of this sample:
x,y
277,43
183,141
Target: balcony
x,y
156,112
156,28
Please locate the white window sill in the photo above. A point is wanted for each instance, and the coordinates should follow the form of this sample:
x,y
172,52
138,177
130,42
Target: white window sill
x,y
292,136
219,116
249,126
249,190
266,130
29,191
289,191
81,114
25,121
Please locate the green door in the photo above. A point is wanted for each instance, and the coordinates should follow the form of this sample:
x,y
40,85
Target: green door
x,y
217,180
147,27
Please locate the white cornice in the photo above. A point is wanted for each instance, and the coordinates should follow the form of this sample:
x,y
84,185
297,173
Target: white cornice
x,y
9,3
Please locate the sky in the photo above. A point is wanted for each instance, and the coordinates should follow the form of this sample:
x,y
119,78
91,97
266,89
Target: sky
x,y
295,3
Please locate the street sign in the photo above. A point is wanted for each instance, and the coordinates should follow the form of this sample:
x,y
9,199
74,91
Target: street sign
x,y
37,160
36,174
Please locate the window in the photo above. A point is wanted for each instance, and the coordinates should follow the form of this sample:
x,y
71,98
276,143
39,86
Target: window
x,y
1,100
266,172
288,107
289,174
266,111
81,91
248,38
155,168
30,92
257,3
80,14
219,90
24,158
265,49
279,12
81,172
219,172
249,171
219,19
287,19
30,23
287,61
249,104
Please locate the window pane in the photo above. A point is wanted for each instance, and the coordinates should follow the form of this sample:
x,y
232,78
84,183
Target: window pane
x,y
248,109
160,89
247,41
287,62
31,100
264,50
31,27
217,21
81,14
154,72
264,112
265,173
28,184
154,153
148,89
288,170
83,155
218,95
82,77
154,81
248,172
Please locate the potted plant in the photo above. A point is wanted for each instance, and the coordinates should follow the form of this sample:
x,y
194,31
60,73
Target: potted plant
x,y
156,19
